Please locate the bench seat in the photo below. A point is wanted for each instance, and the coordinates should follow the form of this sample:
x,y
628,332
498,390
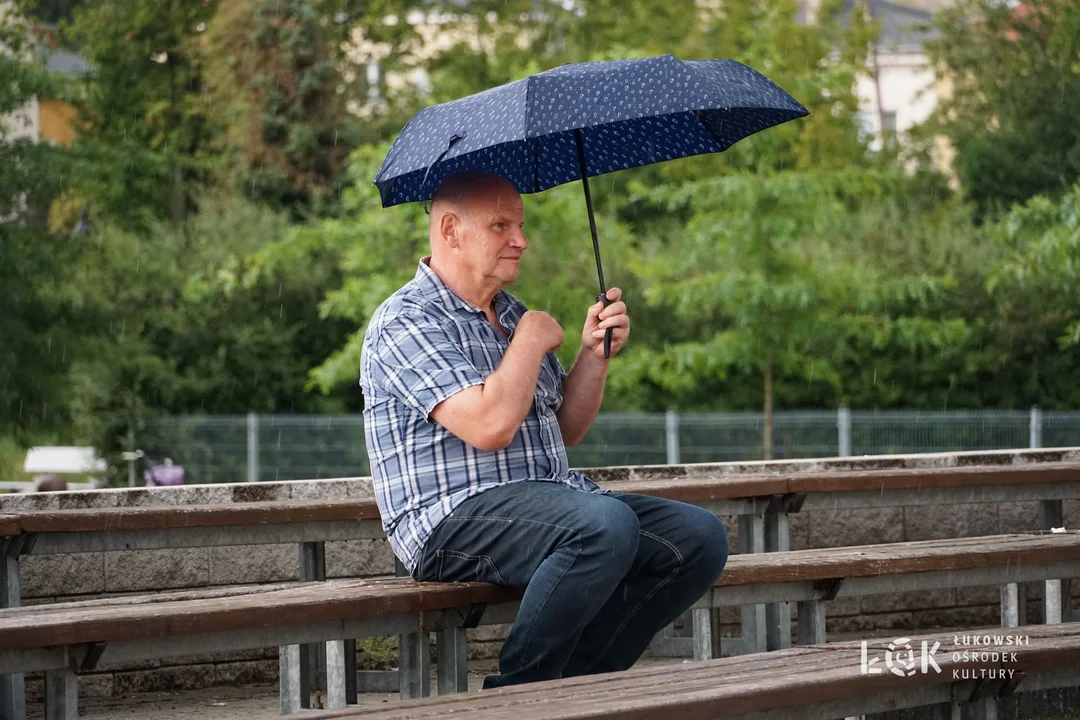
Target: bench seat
x,y
807,573
805,682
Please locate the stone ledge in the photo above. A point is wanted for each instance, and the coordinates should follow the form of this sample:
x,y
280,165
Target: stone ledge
x,y
362,486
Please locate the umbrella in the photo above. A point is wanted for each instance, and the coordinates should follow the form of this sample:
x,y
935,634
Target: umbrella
x,y
582,120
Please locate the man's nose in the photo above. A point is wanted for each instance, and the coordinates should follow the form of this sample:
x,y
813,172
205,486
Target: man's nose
x,y
518,240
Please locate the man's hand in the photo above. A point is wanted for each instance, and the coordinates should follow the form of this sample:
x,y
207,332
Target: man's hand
x,y
600,318
540,328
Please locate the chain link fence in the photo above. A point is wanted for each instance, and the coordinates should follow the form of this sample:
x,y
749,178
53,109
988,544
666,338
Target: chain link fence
x,y
292,447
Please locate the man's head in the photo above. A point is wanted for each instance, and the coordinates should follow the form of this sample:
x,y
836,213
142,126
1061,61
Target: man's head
x,y
476,231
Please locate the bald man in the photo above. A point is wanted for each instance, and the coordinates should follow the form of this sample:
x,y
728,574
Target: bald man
x,y
468,414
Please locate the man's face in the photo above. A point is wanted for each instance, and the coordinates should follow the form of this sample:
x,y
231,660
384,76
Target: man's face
x,y
492,236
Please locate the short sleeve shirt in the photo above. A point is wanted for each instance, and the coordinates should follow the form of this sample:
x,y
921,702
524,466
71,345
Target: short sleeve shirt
x,y
424,344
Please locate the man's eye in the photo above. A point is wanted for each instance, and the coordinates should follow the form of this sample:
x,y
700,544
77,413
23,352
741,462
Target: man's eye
x,y
500,225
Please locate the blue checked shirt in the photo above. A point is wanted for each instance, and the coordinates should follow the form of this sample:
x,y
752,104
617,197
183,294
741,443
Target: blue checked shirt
x,y
424,344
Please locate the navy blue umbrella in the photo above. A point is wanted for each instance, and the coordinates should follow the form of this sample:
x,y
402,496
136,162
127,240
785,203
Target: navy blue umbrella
x,y
582,120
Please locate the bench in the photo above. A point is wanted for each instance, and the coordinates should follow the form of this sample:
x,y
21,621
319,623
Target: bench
x,y
815,681
66,638
762,502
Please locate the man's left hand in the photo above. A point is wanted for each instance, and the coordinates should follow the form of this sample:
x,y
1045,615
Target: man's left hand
x,y
601,318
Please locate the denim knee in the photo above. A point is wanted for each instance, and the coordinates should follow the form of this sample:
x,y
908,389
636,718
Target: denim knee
x,y
710,548
612,532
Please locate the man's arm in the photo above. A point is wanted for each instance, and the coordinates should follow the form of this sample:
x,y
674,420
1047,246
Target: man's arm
x,y
583,391
488,416
583,388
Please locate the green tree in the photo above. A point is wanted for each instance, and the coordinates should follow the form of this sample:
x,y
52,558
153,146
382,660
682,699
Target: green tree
x,y
756,286
276,74
1011,114
143,120
36,328
1035,293
190,325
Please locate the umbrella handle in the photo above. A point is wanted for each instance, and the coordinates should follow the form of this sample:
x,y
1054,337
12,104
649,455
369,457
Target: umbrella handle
x,y
607,334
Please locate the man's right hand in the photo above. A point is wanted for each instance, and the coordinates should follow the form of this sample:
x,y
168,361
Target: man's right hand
x,y
539,327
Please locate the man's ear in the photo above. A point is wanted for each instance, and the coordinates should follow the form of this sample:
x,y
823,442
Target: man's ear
x,y
449,225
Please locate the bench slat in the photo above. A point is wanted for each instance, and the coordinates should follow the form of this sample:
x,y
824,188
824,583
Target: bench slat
x,y
891,559
178,516
9,525
1033,473
307,603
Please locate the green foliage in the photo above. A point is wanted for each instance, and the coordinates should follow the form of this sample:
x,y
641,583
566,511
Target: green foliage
x,y
143,114
1012,112
274,76
194,325
227,152
37,332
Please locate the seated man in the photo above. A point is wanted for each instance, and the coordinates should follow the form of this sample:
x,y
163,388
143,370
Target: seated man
x,y
468,413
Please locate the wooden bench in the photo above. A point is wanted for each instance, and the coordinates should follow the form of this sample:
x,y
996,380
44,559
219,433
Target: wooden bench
x,y
762,502
65,638
816,681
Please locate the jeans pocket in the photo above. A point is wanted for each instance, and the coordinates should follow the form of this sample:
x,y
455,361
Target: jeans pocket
x,y
454,566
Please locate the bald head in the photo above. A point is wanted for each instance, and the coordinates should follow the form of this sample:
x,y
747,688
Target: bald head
x,y
476,233
460,193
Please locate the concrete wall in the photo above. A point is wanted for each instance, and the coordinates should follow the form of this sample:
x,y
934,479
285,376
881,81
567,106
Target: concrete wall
x,y
48,579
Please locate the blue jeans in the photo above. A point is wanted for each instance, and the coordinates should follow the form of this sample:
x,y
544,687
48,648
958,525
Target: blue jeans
x,y
602,573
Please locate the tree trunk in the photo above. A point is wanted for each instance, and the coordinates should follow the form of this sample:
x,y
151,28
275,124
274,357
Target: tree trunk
x,y
768,432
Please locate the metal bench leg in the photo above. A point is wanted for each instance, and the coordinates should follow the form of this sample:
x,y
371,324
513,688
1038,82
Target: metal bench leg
x,y
12,687
751,540
777,615
335,675
1010,605
1052,515
703,633
313,656
350,672
61,695
811,622
413,664
1053,602
289,669
452,660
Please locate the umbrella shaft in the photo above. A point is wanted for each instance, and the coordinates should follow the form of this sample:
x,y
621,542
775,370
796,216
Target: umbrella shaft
x,y
588,206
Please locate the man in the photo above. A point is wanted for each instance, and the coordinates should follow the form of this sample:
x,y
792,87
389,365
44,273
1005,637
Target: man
x,y
468,413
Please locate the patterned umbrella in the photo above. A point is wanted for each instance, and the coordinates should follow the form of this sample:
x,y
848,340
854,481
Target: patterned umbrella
x,y
582,120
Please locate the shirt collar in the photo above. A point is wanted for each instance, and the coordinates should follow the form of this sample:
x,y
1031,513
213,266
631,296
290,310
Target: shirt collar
x,y
432,286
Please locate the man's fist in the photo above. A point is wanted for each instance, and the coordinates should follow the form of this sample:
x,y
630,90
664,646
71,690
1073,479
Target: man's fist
x,y
539,327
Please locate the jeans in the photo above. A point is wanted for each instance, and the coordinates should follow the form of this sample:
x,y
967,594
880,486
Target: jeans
x,y
602,573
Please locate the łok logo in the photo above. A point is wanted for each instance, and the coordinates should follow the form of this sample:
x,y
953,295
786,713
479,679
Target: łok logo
x,y
901,659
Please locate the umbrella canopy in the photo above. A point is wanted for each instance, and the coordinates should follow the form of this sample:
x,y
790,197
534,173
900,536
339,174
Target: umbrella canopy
x,y
630,113
578,121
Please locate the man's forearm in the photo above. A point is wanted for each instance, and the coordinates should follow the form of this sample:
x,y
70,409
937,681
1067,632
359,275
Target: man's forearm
x,y
488,416
583,391
511,389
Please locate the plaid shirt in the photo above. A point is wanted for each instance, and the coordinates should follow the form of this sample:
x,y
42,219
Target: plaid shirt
x,y
424,344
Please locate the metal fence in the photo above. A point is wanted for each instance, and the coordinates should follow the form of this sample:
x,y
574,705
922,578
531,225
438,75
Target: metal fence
x,y
291,447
